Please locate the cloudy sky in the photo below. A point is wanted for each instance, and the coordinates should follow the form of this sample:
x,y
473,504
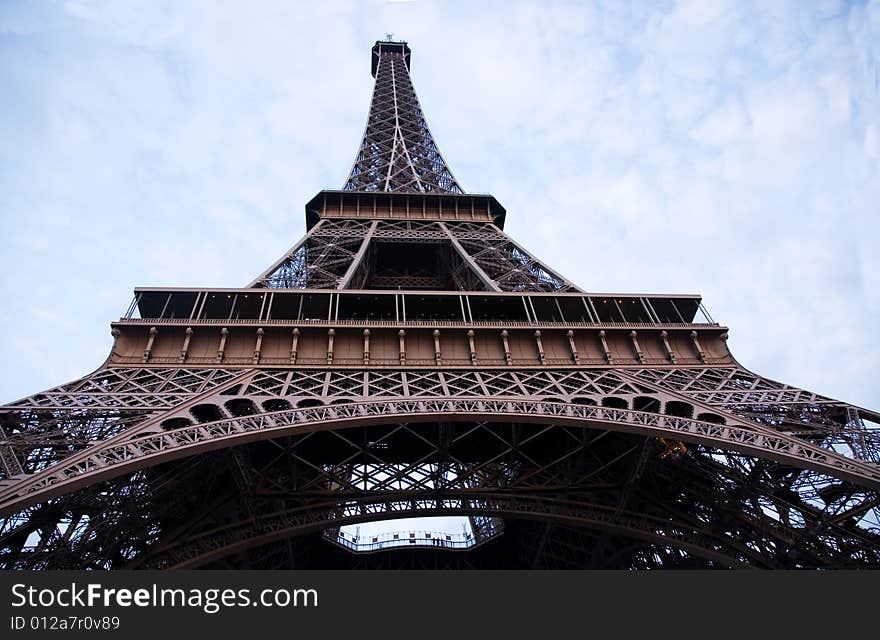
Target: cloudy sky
x,y
730,149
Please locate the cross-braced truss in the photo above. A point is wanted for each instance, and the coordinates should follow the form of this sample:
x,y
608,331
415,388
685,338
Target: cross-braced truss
x,y
398,152
342,254
713,506
373,444
320,260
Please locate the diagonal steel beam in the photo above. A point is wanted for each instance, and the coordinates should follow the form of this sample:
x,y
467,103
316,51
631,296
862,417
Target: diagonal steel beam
x,y
482,275
358,257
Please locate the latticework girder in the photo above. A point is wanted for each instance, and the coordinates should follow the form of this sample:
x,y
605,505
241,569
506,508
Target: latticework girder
x,y
335,254
398,152
534,435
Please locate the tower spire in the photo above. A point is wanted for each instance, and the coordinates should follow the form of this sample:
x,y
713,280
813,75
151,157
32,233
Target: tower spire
x,y
398,152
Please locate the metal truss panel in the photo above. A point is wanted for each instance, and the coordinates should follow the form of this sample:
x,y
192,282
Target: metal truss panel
x,y
398,152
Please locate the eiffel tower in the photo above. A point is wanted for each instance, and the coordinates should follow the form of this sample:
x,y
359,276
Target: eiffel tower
x,y
408,359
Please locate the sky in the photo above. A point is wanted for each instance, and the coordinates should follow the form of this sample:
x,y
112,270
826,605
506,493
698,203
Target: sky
x,y
730,149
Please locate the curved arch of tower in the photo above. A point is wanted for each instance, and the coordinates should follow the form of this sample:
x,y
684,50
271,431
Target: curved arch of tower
x,y
408,359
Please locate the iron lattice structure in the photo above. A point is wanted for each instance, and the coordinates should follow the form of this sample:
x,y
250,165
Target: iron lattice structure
x,y
408,358
398,152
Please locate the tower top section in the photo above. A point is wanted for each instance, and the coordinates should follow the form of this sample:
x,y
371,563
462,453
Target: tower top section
x,y
388,46
398,153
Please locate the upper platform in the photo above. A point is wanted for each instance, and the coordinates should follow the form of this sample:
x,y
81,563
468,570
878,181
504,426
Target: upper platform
x,y
386,46
383,205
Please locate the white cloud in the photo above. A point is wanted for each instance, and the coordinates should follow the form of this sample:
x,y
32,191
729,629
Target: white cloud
x,y
724,148
723,127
